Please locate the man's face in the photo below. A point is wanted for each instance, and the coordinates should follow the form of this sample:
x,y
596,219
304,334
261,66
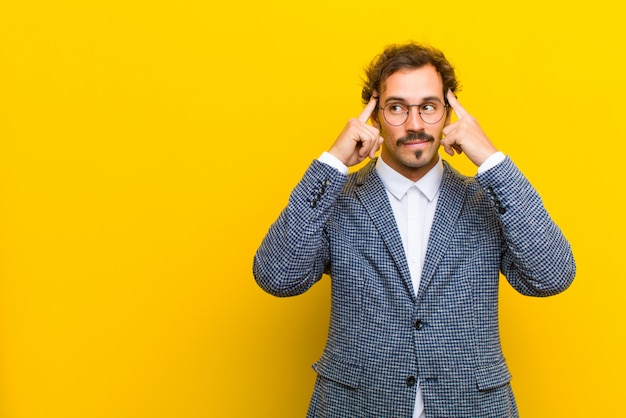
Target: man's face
x,y
411,148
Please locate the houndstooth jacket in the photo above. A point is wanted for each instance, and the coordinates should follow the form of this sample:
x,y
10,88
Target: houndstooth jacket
x,y
383,337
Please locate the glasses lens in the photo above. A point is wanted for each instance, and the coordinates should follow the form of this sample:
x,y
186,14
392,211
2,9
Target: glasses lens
x,y
396,113
432,112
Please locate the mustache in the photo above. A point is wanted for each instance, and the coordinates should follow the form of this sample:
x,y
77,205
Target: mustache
x,y
414,136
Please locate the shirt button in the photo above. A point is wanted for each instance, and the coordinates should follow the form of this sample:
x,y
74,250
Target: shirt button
x,y
419,324
410,381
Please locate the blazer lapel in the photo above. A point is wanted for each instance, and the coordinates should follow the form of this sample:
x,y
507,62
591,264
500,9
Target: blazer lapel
x,y
371,192
451,197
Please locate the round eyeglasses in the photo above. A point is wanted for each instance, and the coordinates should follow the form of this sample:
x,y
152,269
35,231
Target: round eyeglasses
x,y
397,113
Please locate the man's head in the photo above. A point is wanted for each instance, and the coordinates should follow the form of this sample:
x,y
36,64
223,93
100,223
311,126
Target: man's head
x,y
410,82
402,57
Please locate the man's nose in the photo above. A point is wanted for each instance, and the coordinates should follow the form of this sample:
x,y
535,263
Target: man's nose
x,y
414,121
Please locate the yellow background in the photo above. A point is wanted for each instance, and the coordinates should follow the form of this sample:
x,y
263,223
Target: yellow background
x,y
146,146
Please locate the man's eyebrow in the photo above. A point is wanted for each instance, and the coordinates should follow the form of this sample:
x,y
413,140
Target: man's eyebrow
x,y
402,99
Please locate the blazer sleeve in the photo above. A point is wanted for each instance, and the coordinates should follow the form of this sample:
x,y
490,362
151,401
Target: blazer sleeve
x,y
294,254
536,257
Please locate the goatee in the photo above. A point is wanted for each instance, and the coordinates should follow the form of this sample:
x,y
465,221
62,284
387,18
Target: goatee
x,y
415,136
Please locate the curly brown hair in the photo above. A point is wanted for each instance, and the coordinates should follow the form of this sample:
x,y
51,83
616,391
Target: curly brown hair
x,y
411,55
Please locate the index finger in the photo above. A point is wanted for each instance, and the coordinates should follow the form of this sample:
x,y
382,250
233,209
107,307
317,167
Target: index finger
x,y
456,106
369,109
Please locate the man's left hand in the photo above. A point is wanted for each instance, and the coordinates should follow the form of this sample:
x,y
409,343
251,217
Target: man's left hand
x,y
466,135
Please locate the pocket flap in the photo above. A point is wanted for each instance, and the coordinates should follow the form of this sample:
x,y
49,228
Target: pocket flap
x,y
493,375
339,370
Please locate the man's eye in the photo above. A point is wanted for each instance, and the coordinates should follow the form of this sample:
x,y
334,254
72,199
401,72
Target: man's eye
x,y
397,108
429,108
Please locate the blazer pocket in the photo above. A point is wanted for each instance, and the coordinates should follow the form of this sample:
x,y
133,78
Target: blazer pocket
x,y
492,375
339,370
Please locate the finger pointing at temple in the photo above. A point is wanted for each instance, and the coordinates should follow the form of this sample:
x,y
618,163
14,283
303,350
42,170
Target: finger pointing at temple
x,y
369,109
456,106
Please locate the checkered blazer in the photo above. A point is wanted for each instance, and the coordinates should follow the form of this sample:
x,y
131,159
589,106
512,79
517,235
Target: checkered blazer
x,y
382,336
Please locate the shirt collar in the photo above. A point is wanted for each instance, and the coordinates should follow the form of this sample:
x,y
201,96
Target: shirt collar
x,y
398,185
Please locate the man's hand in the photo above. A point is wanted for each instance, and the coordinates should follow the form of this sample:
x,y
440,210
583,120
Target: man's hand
x,y
358,139
466,135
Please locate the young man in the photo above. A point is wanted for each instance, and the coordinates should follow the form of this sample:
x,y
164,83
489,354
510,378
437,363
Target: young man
x,y
414,251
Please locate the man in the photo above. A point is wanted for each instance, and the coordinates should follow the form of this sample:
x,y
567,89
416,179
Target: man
x,y
414,251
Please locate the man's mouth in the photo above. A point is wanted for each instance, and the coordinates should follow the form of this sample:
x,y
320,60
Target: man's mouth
x,y
415,138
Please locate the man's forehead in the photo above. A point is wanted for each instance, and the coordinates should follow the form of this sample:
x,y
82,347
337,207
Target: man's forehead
x,y
413,83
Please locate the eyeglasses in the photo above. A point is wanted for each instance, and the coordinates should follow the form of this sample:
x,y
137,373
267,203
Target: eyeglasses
x,y
397,113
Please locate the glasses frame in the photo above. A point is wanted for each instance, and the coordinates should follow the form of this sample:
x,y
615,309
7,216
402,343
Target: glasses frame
x,y
408,112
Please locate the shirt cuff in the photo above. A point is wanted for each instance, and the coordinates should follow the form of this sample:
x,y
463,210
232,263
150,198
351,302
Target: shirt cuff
x,y
491,162
331,160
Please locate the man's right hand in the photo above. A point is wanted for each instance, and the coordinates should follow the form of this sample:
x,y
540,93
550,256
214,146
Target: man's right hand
x,y
358,140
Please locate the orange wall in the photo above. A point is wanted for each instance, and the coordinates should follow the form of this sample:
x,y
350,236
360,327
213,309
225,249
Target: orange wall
x,y
146,146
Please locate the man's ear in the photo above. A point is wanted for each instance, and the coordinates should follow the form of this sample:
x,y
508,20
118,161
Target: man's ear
x,y
448,115
374,119
374,115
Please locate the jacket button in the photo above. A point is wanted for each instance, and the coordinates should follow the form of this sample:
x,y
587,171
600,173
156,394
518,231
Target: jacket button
x,y
410,381
419,324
